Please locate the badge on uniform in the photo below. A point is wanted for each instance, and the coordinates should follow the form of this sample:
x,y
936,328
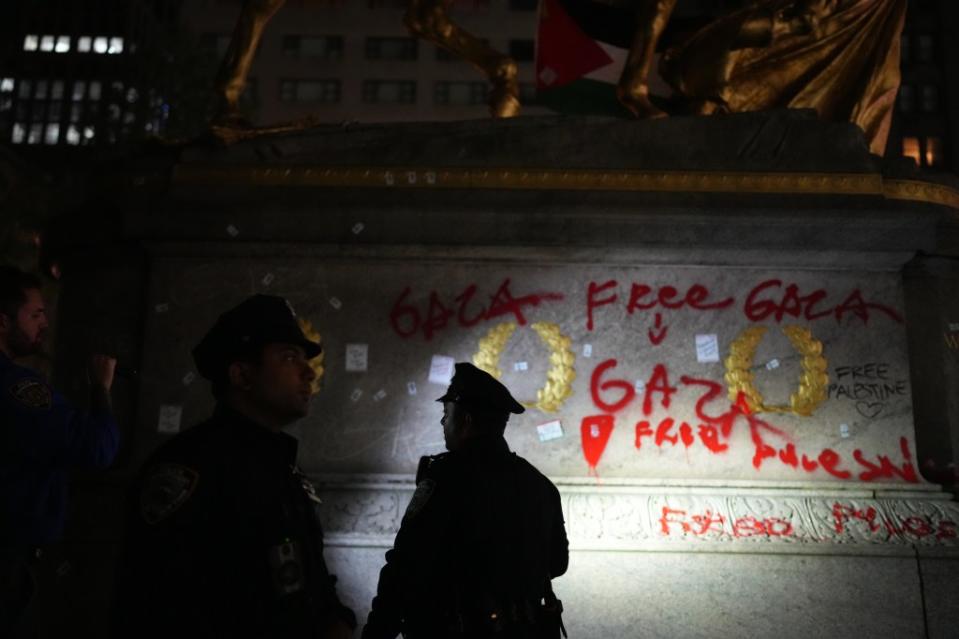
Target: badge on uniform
x,y
308,486
166,489
424,490
286,562
32,393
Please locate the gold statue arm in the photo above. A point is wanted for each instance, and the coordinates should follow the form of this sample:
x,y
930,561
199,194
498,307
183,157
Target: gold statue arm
x,y
429,20
633,88
231,78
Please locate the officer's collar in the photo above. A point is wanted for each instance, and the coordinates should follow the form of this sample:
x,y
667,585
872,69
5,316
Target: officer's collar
x,y
242,426
485,445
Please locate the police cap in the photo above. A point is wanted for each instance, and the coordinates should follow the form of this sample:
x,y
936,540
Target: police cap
x,y
478,389
255,322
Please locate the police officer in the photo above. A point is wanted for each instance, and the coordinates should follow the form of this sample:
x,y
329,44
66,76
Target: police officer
x,y
223,536
483,534
42,437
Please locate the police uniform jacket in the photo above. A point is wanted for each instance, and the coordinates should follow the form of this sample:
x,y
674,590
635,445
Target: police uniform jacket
x,y
482,536
224,540
42,437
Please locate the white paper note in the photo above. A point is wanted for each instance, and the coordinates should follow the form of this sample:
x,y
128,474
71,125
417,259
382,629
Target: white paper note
x,y
268,279
550,430
844,430
336,303
356,355
707,348
380,395
232,231
520,366
587,350
170,416
358,228
356,395
772,364
441,369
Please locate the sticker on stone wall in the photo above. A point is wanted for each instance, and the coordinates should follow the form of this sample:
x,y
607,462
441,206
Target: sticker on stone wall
x,y
268,279
356,395
707,348
379,396
441,369
550,430
772,364
587,350
520,366
232,231
640,386
336,303
411,388
170,416
356,358
188,378
162,308
844,430
358,228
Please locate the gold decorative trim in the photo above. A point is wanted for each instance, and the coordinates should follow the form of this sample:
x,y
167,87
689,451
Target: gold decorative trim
x,y
812,382
570,179
317,362
559,377
916,191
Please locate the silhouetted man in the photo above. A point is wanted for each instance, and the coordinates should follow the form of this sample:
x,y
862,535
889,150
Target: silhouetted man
x,y
42,438
223,535
482,537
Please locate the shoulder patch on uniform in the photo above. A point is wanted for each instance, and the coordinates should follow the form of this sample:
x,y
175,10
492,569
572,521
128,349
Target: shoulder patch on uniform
x,y
166,488
424,490
32,393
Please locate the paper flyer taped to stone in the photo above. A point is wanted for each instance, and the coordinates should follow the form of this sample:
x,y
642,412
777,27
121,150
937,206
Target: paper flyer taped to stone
x,y
550,430
170,417
356,358
441,369
707,348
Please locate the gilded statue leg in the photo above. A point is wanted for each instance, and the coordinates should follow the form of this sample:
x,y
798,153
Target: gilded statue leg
x,y
429,20
231,78
633,88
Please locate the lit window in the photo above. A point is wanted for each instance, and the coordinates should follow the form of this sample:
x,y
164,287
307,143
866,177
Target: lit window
x,y
460,93
389,91
63,44
88,133
116,46
31,43
84,43
100,45
324,47
79,88
391,48
36,132
132,95
934,152
73,135
47,43
94,91
910,149
53,134
19,133
6,85
321,91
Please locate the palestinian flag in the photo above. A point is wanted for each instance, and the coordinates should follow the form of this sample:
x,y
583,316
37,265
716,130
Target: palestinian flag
x,y
581,47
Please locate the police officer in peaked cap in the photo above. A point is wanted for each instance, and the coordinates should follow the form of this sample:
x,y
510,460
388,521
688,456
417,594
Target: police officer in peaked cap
x,y
223,536
483,534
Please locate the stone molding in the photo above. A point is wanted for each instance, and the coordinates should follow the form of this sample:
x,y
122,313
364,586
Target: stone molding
x,y
685,518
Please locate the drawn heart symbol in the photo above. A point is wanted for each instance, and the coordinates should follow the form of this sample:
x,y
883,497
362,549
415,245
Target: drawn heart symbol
x,y
869,409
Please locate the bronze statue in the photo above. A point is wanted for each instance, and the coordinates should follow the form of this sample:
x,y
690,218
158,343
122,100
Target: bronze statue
x,y
840,57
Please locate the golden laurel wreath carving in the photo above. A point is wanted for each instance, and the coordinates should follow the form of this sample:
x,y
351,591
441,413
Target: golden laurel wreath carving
x,y
317,362
559,378
812,382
